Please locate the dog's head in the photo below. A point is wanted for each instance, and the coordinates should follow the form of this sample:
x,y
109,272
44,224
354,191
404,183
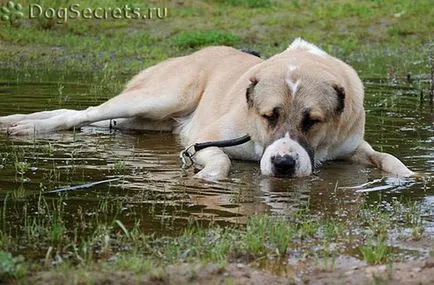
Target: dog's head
x,y
304,107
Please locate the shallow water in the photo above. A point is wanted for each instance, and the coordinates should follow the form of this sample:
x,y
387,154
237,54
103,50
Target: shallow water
x,y
154,190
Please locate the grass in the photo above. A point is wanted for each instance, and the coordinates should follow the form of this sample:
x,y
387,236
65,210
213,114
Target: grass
x,y
362,32
119,166
376,252
200,39
112,243
248,3
11,267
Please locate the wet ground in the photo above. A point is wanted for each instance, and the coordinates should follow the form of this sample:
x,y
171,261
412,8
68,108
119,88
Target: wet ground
x,y
153,189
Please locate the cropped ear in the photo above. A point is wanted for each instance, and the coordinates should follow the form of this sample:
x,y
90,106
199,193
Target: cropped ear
x,y
340,92
250,91
365,154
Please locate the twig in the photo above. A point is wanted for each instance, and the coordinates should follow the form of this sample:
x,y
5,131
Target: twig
x,y
81,186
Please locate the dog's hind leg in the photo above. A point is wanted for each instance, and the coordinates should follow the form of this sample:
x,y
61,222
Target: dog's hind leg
x,y
365,154
152,95
6,121
152,103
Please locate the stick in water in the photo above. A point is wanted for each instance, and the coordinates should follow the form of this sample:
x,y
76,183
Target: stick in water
x,y
81,186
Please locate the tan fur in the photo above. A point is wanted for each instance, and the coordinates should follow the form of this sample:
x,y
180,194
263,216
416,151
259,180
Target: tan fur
x,y
202,97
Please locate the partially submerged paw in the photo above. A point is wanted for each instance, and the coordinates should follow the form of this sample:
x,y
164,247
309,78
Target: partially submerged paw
x,y
22,128
210,175
404,173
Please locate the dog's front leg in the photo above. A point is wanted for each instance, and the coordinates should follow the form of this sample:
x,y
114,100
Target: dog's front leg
x,y
365,154
216,164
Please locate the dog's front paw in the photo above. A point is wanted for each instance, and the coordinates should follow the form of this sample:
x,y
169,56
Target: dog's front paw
x,y
210,174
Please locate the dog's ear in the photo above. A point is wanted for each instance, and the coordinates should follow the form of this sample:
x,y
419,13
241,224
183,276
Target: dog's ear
x,y
250,91
340,92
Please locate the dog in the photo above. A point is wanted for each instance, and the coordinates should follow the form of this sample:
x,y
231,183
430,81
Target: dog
x,y
300,108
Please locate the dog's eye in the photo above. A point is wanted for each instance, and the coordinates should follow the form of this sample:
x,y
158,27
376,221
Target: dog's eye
x,y
308,122
272,117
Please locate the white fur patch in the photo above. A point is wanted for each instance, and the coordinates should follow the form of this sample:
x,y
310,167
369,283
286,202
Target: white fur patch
x,y
259,150
348,146
292,68
288,146
302,44
293,85
184,128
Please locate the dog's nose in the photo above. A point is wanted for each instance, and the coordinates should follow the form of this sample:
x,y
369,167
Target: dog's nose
x,y
284,165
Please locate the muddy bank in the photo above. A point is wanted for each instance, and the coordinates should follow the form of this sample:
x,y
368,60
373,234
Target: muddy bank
x,y
414,272
179,274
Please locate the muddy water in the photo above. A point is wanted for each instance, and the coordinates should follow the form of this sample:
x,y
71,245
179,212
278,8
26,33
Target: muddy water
x,y
153,189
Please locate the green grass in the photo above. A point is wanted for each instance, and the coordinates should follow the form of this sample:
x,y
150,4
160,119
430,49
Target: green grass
x,y
103,242
376,252
11,267
362,32
200,39
248,3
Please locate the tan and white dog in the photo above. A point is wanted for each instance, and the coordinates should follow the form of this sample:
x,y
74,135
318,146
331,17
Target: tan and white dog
x,y
300,107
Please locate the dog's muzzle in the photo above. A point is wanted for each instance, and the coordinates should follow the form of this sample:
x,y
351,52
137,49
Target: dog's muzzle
x,y
286,157
284,165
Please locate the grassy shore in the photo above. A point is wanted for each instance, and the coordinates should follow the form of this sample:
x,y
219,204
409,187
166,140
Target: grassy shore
x,y
362,32
263,241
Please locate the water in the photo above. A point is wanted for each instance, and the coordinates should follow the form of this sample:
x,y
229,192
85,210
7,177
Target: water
x,y
153,189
